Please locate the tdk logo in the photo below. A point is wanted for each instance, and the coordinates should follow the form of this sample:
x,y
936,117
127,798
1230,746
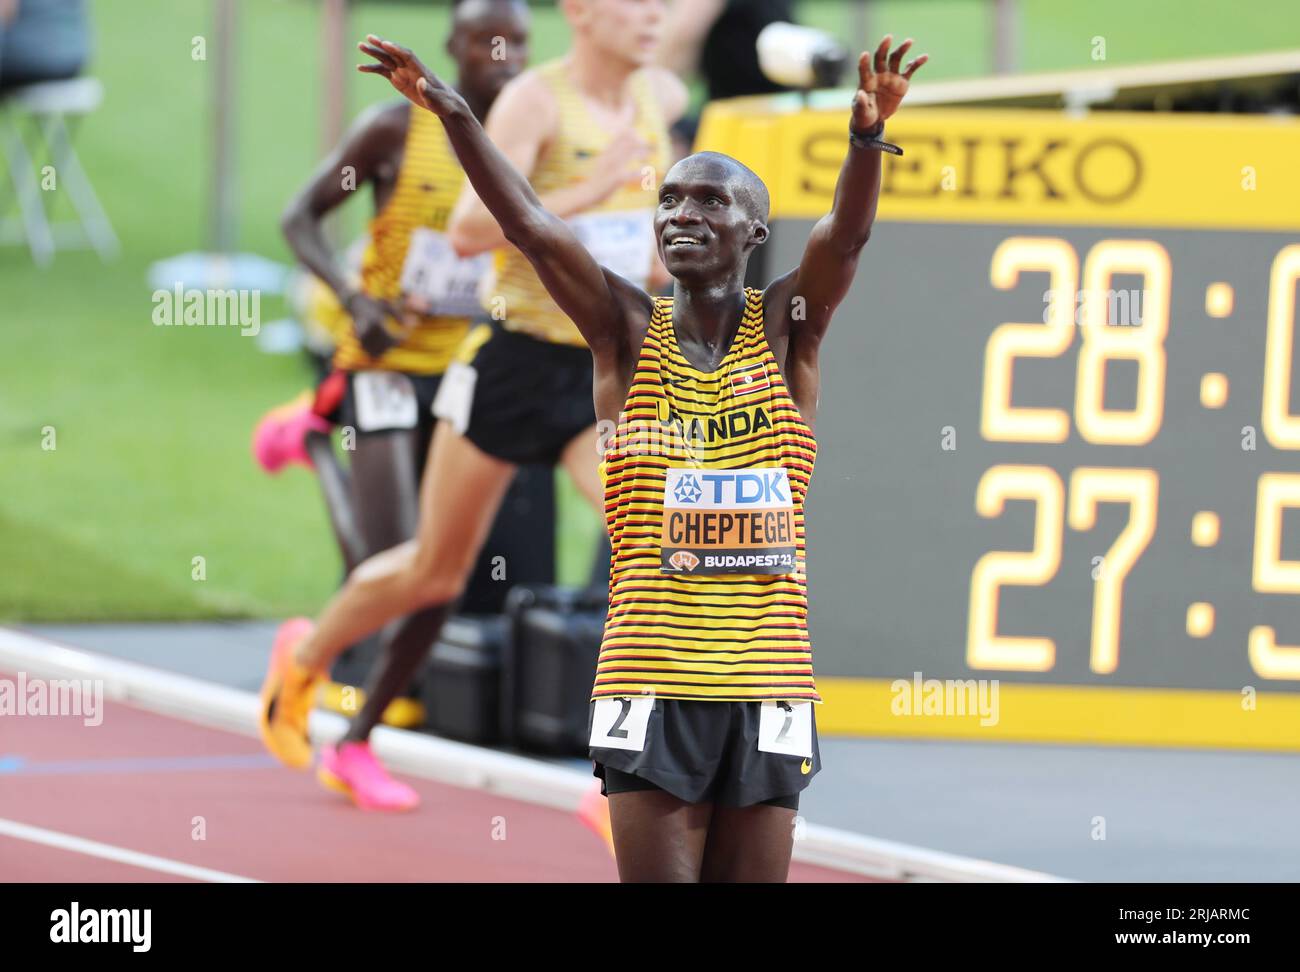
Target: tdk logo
x,y
688,490
764,487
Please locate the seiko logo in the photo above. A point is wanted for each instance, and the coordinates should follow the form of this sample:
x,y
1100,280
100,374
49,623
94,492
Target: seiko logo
x,y
1104,171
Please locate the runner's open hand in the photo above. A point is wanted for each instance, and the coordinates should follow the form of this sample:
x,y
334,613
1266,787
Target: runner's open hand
x,y
621,162
881,91
416,82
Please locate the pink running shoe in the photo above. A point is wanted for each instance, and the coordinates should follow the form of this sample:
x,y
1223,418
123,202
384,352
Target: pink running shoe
x,y
280,437
351,768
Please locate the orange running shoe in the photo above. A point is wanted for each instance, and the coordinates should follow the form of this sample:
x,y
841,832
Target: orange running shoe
x,y
288,695
594,812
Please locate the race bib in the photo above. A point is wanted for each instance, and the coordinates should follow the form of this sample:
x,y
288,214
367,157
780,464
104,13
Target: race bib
x,y
456,395
437,282
621,723
384,400
623,242
786,727
727,521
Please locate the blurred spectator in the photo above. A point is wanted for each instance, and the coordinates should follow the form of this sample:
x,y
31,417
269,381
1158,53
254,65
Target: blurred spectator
x,y
42,40
718,40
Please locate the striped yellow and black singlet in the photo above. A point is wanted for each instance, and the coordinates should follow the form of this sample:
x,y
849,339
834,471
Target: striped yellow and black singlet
x,y
719,637
569,158
428,185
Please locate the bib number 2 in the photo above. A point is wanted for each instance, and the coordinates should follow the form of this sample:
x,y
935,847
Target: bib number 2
x,y
786,727
621,723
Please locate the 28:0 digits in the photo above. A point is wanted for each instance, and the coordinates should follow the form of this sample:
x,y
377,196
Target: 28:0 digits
x,y
1102,341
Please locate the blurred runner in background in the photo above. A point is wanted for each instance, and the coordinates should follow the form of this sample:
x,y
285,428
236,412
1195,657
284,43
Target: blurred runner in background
x,y
590,131
410,309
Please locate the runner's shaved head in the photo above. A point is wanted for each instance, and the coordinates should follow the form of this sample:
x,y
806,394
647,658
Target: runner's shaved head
x,y
463,10
489,43
743,182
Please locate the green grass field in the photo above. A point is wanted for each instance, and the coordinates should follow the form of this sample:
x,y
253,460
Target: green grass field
x,y
151,467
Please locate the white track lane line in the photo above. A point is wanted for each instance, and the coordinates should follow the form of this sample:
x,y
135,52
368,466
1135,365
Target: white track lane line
x,y
93,848
458,764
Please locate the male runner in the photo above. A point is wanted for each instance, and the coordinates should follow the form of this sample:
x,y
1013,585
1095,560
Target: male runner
x,y
701,720
410,311
591,131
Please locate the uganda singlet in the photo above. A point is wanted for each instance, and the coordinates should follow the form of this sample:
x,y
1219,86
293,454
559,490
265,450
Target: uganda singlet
x,y
409,258
618,232
704,493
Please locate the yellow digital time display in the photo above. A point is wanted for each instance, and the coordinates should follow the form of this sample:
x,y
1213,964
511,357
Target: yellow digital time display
x,y
1103,338
1059,424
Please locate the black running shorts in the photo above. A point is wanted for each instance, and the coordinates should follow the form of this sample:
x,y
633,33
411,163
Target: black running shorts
x,y
378,401
529,398
736,754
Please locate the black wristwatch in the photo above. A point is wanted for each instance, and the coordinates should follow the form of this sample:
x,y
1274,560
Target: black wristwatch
x,y
871,139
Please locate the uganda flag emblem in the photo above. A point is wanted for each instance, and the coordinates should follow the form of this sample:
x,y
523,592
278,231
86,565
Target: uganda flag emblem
x,y
749,378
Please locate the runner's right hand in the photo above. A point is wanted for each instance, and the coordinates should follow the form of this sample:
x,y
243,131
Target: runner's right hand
x,y
409,76
622,162
370,323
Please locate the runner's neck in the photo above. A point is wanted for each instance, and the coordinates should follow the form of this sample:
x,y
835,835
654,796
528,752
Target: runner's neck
x,y
479,102
602,79
709,317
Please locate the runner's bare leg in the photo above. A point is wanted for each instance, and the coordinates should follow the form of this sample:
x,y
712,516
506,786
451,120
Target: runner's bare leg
x,y
336,487
462,490
749,844
657,837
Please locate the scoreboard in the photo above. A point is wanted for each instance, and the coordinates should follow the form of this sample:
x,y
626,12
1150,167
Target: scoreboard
x,y
1059,434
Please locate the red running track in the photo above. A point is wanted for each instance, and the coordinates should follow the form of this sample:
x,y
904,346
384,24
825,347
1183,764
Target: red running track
x,y
140,780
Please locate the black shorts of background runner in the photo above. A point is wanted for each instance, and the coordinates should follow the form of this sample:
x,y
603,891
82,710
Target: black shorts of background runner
x,y
336,403
531,397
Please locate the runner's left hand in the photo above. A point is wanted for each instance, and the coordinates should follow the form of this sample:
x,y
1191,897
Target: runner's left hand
x,y
881,91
